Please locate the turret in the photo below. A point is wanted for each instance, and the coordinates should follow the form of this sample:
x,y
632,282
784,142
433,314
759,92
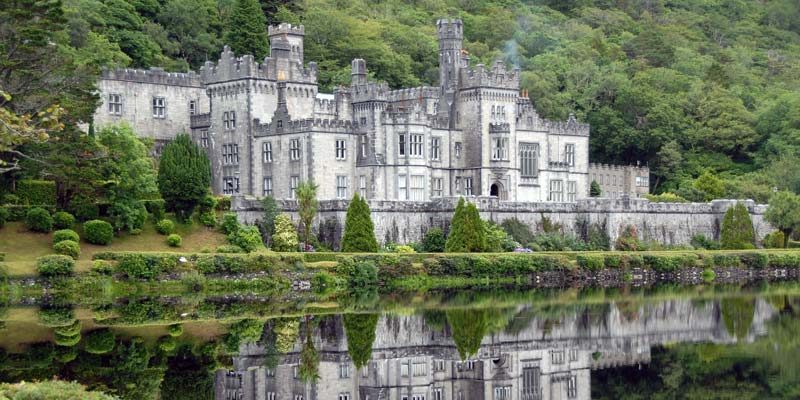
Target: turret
x,y
451,38
286,40
358,72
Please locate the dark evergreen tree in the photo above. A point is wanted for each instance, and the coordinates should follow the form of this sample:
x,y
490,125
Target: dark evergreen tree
x,y
737,228
360,331
467,233
247,30
594,189
456,243
359,231
184,175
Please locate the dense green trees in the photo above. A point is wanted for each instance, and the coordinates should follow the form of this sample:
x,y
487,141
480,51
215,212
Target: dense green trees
x,y
784,213
184,176
247,30
359,231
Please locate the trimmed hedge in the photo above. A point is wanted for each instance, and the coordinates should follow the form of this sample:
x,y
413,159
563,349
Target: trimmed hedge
x,y
18,212
100,341
174,240
68,248
98,232
65,234
38,219
36,192
165,227
55,265
63,220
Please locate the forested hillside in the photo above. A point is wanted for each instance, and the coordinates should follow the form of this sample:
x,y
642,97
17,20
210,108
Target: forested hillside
x,y
702,89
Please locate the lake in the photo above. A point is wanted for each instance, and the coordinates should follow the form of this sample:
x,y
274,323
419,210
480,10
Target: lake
x,y
669,341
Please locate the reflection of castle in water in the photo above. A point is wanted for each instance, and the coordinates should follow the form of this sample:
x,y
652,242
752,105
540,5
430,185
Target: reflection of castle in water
x,y
540,358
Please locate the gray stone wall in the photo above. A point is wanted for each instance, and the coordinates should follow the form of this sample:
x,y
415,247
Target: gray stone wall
x,y
404,222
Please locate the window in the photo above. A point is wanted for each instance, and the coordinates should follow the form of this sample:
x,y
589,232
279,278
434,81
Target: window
x,y
529,160
344,368
271,396
419,368
266,150
404,368
267,186
294,181
573,354
437,185
294,149
341,149
230,185
344,396
458,185
500,148
530,382
418,397
502,393
643,181
362,121
569,154
416,145
556,190
438,393
204,142
438,365
279,123
572,190
363,143
417,187
230,154
458,149
298,397
192,107
295,372
435,146
402,188
115,104
270,372
159,107
341,188
362,186
557,356
572,387
229,120
401,144
468,186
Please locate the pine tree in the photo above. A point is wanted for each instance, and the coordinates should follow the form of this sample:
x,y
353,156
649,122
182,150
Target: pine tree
x,y
456,243
594,189
247,30
359,231
184,176
737,229
475,231
467,233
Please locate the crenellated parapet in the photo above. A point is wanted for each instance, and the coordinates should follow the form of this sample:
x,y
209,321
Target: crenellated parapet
x,y
405,116
527,116
229,67
417,93
498,76
286,29
303,126
156,76
372,91
569,127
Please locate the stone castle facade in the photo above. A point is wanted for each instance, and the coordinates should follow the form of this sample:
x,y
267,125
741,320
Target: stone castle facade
x,y
266,127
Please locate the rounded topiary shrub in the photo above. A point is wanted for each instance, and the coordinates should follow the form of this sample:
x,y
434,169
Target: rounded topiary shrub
x,y
67,341
174,240
55,265
63,220
98,232
65,234
68,248
39,220
100,341
175,330
208,218
167,344
4,214
56,316
165,227
65,354
102,267
69,330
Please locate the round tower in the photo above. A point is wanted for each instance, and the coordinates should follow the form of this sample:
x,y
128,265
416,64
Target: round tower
x,y
451,38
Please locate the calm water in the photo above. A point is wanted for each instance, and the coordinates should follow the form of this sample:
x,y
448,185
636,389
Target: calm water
x,y
561,344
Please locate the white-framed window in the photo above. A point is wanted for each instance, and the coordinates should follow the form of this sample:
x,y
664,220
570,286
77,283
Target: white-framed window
x,y
531,381
341,149
266,152
294,181
418,187
229,119
419,368
529,160
204,139
418,396
557,356
572,387
404,368
294,149
192,107
344,370
436,145
468,186
437,185
458,185
402,189
267,186
416,145
230,185
401,144
115,104
362,186
457,149
230,154
362,121
500,148
569,154
643,181
573,354
341,189
344,396
556,190
159,107
502,393
295,372
272,396
572,190
362,141
438,393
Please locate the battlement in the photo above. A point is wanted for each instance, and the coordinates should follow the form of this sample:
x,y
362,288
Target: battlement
x,y
416,93
286,28
600,167
305,125
405,115
569,127
229,67
156,76
527,117
325,103
450,28
498,76
372,91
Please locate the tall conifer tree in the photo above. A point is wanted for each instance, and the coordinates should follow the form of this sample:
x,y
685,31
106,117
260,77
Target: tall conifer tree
x,y
359,231
184,175
466,230
247,30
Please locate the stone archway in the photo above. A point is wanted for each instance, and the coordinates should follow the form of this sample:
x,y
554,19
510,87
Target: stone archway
x,y
496,190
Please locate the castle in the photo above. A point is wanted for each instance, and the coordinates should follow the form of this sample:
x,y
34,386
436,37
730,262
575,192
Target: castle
x,y
266,127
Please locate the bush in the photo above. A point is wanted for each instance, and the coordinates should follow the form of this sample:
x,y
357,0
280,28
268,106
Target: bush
x,y
359,230
54,317
229,248
63,220
612,261
4,214
84,209
135,266
207,203
628,240
223,203
773,240
67,341
557,241
38,219
248,238
591,262
518,230
36,192
737,228
98,232
208,218
68,248
65,355
285,237
69,330
165,227
65,234
55,265
167,344
433,241
754,260
49,390
229,224
174,240
700,241
665,197
102,267
101,341
155,208
175,330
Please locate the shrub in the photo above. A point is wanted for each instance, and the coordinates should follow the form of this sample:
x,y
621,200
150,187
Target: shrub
x,y
65,355
403,249
98,232
666,197
229,223
55,265
69,330
38,219
628,240
68,248
285,237
65,234
194,281
223,203
700,241
557,241
10,198
434,241
84,209
102,267
229,248
101,341
4,214
167,344
165,227
207,203
248,238
754,260
726,260
36,192
612,261
518,230
136,267
56,316
175,330
208,218
63,220
359,231
67,341
591,262
155,208
773,240
174,240
737,228
466,230
49,390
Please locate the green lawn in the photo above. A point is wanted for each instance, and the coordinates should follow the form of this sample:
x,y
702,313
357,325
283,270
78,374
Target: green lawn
x,y
22,247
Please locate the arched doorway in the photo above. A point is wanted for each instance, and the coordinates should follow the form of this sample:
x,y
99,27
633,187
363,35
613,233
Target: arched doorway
x,y
494,190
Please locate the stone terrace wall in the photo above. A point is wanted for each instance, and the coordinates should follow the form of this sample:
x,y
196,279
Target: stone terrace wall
x,y
404,221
